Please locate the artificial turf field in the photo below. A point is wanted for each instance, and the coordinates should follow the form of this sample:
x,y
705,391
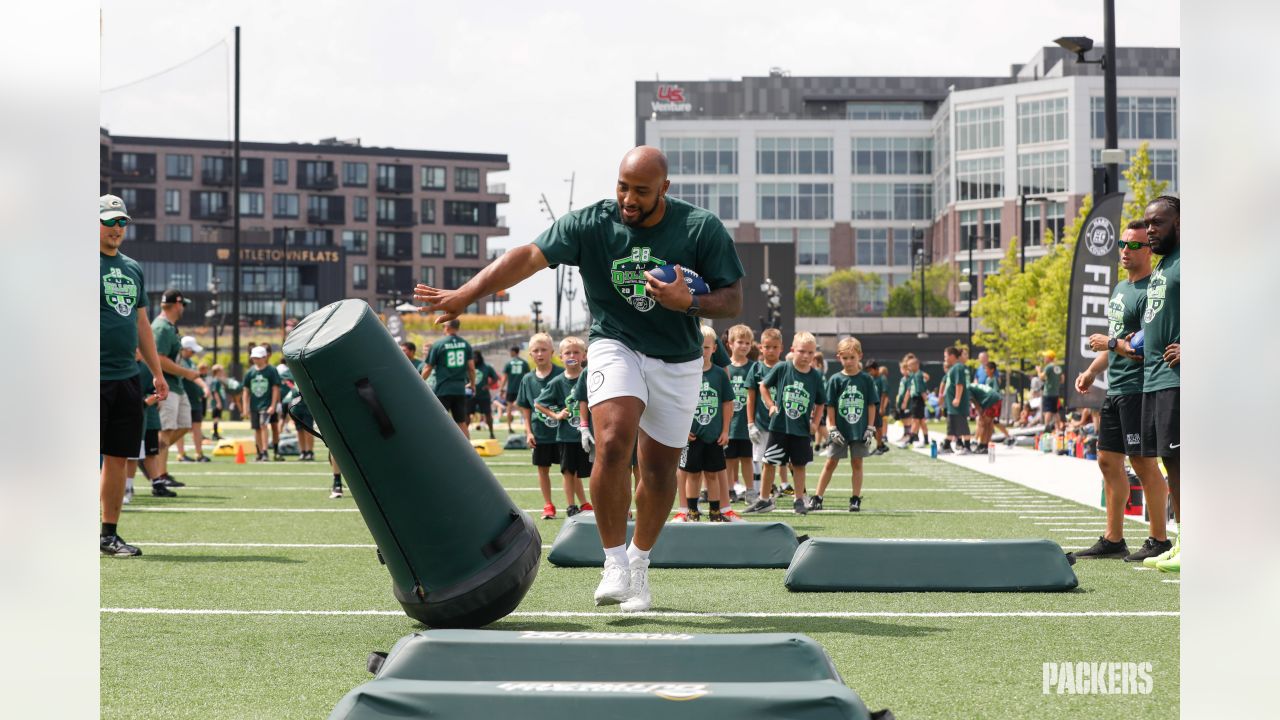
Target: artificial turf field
x,y
259,597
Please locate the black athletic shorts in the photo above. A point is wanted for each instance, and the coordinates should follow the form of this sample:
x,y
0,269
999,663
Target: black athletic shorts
x,y
1160,423
511,396
738,449
958,425
915,407
256,418
546,454
455,405
482,405
1120,424
1050,404
120,417
151,442
701,456
197,410
783,449
574,460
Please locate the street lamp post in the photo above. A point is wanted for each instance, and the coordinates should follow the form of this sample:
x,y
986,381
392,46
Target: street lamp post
x,y
536,308
284,283
921,257
1111,155
968,285
212,313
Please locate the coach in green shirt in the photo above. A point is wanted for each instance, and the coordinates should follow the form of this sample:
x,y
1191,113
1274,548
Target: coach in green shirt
x,y
450,361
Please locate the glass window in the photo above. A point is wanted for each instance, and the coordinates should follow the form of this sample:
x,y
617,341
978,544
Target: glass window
x,y
177,233
359,208
433,245
871,246
892,156
719,198
901,247
466,179
428,211
813,246
1042,172
285,205
892,201
466,245
793,201
252,204
777,235
1041,121
980,178
178,167
1164,166
356,241
1137,118
456,277
793,156
428,276
433,178
280,171
701,156
355,173
979,128
172,202
360,276
857,110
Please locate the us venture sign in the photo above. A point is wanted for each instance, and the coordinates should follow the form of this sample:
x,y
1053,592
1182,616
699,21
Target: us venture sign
x,y
671,99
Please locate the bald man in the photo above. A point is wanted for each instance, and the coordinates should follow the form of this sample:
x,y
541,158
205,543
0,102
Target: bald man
x,y
645,345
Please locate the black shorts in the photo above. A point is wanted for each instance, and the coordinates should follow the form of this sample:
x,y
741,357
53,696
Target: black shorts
x,y
151,442
546,454
957,425
783,449
455,405
701,456
1120,424
120,417
482,404
574,460
511,397
1050,404
1160,423
256,418
197,411
738,449
915,407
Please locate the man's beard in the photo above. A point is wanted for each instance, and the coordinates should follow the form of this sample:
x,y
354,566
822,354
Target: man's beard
x,y
644,214
1166,244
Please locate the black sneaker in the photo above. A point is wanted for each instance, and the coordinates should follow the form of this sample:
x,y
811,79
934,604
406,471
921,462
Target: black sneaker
x,y
946,450
715,516
855,503
733,496
336,493
261,457
1151,547
278,458
799,507
168,481
186,458
159,489
763,505
694,515
572,510
980,450
115,546
815,503
884,448
1104,548
203,458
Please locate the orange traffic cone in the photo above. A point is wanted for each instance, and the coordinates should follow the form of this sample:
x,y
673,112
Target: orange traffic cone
x,y
240,453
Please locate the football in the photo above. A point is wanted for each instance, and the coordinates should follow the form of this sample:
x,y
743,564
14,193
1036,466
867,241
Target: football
x,y
667,273
1138,343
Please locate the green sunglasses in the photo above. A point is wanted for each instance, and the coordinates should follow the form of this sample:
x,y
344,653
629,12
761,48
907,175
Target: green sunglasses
x,y
1133,244
113,222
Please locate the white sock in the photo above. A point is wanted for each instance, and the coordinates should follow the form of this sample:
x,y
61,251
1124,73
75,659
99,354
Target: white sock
x,y
618,555
635,554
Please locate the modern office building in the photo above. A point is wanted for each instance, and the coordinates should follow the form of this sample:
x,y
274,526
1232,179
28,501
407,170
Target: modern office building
x,y
334,219
845,168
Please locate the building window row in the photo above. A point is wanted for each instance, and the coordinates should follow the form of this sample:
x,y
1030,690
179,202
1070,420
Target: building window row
x,y
980,178
892,156
1137,118
1041,121
981,228
793,156
857,110
1042,172
980,128
892,201
794,201
701,156
718,198
1164,166
318,174
813,246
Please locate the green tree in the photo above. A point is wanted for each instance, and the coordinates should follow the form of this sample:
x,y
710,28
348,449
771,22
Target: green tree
x,y
904,300
849,290
1143,186
811,304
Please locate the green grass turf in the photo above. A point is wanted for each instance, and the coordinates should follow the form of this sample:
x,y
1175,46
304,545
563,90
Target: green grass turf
x,y
219,666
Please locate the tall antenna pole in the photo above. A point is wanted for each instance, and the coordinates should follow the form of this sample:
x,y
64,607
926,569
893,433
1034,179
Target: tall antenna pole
x,y
235,226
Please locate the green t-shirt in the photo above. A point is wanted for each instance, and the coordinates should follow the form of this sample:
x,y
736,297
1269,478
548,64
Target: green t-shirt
x,y
515,370
984,395
1124,316
1161,323
580,395
448,361
708,418
1053,380
544,428
853,396
122,294
151,416
191,387
558,395
758,373
992,380
797,394
915,385
613,258
168,345
260,381
882,386
957,377
740,382
720,358
218,389
418,364
484,376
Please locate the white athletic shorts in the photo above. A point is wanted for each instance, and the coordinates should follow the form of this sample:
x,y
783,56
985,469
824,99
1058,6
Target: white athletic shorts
x,y
175,412
669,391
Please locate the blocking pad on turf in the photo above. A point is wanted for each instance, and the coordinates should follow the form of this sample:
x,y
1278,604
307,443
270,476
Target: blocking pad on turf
x,y
870,565
684,545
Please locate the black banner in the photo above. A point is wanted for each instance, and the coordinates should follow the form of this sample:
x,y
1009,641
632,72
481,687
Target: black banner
x,y
1093,276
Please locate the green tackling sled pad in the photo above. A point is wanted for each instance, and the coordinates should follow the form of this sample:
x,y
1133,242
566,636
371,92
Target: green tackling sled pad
x,y
868,565
684,545
460,552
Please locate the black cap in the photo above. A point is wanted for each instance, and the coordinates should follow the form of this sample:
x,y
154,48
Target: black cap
x,y
172,296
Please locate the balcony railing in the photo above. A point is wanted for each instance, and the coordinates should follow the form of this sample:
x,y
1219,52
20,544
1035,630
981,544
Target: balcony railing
x,y
407,220
324,182
215,178
220,214
316,217
143,174
385,185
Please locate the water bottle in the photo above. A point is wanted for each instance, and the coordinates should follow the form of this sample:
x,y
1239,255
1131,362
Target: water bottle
x,y
991,453
933,449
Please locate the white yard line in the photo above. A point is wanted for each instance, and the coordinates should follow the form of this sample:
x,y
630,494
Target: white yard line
x,y
674,614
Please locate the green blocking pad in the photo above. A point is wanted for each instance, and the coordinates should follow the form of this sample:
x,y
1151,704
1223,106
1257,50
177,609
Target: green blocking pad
x,y
618,700
869,565
461,655
684,545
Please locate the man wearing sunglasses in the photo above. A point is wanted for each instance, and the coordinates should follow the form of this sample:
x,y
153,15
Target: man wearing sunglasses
x,y
123,328
1120,430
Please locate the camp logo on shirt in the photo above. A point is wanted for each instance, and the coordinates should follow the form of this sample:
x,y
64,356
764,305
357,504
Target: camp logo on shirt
x,y
1155,295
739,392
1115,314
546,419
851,404
575,417
259,385
795,400
121,291
708,400
628,278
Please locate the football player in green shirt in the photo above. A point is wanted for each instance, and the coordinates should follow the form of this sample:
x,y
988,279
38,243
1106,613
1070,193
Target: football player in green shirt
x,y
955,400
853,403
799,393
451,363
512,373
482,401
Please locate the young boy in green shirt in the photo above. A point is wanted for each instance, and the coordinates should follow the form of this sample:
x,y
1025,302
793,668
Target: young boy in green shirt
x,y
261,396
795,393
556,401
703,458
853,404
540,430
955,400
770,355
738,453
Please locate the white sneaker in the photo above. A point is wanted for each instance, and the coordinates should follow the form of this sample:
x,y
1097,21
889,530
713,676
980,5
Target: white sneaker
x,y
128,491
640,599
615,586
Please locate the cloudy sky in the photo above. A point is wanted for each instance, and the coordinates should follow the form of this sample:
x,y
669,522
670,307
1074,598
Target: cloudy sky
x,y
549,84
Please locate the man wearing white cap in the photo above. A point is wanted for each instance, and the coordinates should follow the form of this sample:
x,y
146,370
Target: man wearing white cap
x,y
197,392
175,410
261,395
123,329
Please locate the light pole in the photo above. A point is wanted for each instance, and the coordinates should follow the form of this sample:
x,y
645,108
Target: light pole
x,y
536,308
284,283
570,293
968,285
212,313
920,255
1111,155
